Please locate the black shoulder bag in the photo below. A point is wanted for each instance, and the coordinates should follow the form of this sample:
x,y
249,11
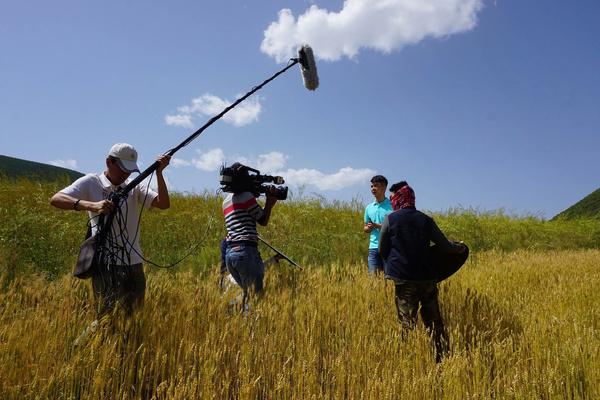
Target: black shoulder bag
x,y
87,262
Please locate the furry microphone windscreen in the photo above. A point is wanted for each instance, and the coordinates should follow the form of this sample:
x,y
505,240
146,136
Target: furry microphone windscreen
x,y
308,67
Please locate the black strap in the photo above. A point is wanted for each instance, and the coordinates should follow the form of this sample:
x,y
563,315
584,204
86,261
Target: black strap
x,y
89,231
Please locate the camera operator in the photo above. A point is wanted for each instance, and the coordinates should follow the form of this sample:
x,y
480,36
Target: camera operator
x,y
243,260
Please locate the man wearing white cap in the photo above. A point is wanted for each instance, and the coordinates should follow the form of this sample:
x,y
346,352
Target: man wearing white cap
x,y
91,193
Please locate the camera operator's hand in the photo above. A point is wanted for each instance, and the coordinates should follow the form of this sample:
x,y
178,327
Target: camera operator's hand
x,y
271,194
271,200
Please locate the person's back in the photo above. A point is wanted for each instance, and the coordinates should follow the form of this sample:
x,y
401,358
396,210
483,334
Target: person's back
x,y
242,212
404,244
409,258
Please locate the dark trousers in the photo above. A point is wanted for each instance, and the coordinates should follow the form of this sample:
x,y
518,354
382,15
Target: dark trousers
x,y
412,297
119,286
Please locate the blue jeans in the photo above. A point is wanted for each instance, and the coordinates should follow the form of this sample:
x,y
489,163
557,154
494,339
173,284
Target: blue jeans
x,y
376,263
246,267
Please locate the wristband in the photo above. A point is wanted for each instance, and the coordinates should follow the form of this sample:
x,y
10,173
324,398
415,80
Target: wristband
x,y
75,205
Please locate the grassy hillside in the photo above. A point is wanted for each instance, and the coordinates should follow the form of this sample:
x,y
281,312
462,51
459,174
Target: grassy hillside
x,y
15,168
521,315
588,207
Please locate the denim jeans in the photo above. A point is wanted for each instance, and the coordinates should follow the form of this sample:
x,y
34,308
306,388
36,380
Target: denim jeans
x,y
376,263
246,267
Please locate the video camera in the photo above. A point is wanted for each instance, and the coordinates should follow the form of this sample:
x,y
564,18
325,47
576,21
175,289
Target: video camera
x,y
239,178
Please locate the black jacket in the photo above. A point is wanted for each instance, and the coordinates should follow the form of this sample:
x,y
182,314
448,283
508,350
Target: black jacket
x,y
404,242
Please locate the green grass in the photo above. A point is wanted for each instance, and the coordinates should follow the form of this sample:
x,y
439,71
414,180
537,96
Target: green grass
x,y
35,237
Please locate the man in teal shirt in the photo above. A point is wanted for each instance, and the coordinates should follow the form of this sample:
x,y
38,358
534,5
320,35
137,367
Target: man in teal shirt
x,y
374,214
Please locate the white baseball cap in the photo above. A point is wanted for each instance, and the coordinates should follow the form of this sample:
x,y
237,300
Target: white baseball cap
x,y
126,157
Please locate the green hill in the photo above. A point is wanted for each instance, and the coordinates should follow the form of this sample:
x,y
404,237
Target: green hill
x,y
588,207
15,168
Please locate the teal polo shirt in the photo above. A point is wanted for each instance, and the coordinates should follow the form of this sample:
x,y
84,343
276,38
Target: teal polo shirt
x,y
375,212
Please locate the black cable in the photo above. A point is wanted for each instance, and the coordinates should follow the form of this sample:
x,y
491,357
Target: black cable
x,y
217,193
114,276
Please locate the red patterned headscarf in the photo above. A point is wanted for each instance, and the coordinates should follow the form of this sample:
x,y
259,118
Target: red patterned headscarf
x,y
403,198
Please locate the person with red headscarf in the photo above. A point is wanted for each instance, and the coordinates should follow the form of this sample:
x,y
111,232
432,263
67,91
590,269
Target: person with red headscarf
x,y
404,241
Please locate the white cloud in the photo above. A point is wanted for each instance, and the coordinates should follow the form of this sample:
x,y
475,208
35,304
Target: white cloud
x,y
273,163
182,120
178,162
382,25
209,161
71,164
345,177
242,160
209,105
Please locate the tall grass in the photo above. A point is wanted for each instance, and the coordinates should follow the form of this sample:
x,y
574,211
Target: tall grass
x,y
522,314
521,325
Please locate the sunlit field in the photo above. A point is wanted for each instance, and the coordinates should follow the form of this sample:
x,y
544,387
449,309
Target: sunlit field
x,y
522,325
521,315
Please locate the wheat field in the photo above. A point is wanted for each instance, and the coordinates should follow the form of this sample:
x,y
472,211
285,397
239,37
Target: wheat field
x,y
521,325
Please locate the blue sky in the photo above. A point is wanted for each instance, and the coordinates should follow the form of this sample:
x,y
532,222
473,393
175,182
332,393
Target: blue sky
x,y
483,104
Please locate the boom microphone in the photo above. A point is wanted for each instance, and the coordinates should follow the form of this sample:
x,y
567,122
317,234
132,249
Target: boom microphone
x,y
311,82
308,67
305,59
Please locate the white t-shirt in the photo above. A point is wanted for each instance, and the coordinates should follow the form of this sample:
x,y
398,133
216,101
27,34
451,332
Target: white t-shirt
x,y
97,187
